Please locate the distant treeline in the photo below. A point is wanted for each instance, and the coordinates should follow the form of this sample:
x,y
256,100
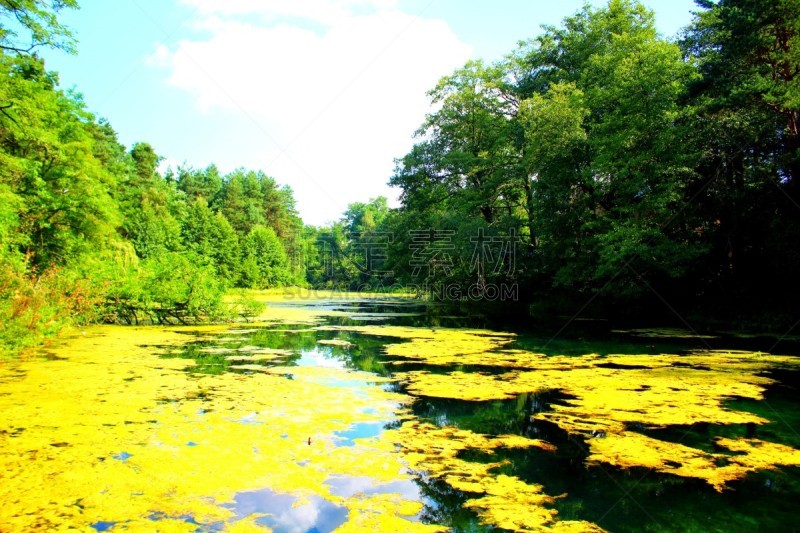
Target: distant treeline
x,y
599,169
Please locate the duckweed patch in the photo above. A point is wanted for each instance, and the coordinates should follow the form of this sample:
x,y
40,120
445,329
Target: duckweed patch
x,y
607,396
738,458
295,423
122,459
502,500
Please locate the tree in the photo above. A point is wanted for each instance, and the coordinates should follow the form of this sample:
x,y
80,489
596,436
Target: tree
x,y
747,103
206,184
38,19
264,262
149,205
211,237
48,161
635,91
467,154
357,245
145,165
180,285
558,199
241,200
749,53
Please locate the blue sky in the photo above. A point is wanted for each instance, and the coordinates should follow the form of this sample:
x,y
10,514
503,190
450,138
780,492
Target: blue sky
x,y
320,94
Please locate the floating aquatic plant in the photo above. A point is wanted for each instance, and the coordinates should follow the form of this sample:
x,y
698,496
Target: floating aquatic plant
x,y
108,433
605,395
502,500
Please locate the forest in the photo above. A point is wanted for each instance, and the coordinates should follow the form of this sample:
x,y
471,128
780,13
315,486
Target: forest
x,y
600,169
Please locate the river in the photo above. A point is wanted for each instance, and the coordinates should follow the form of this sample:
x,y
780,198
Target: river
x,y
380,414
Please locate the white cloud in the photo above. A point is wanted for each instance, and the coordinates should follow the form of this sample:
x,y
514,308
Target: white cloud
x,y
334,97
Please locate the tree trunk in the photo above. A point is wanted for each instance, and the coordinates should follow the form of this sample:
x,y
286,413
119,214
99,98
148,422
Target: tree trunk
x,y
529,209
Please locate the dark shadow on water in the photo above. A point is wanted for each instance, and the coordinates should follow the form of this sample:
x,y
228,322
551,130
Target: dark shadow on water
x,y
447,507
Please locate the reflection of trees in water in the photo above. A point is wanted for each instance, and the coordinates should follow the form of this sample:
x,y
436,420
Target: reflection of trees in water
x,y
364,353
494,417
445,505
284,338
211,356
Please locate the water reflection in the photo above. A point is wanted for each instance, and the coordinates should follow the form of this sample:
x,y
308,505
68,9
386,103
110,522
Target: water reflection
x,y
361,430
284,512
319,357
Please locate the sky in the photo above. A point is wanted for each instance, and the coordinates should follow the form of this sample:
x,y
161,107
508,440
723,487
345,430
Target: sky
x,y
322,95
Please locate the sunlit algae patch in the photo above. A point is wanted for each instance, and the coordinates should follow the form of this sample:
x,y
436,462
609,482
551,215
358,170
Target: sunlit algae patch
x,y
502,500
608,395
105,433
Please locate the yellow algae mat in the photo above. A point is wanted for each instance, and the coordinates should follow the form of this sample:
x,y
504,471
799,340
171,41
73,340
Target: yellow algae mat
x,y
105,432
606,395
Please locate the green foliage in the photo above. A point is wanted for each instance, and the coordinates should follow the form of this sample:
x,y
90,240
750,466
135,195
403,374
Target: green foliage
x,y
242,304
746,121
264,262
27,309
630,166
49,164
177,285
555,145
206,184
352,253
38,21
601,141
210,236
468,157
250,198
58,212
91,231
168,288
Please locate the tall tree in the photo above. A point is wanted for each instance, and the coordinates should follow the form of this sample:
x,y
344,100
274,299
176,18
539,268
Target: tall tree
x,y
747,102
211,237
48,162
749,53
264,262
205,184
38,21
467,151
